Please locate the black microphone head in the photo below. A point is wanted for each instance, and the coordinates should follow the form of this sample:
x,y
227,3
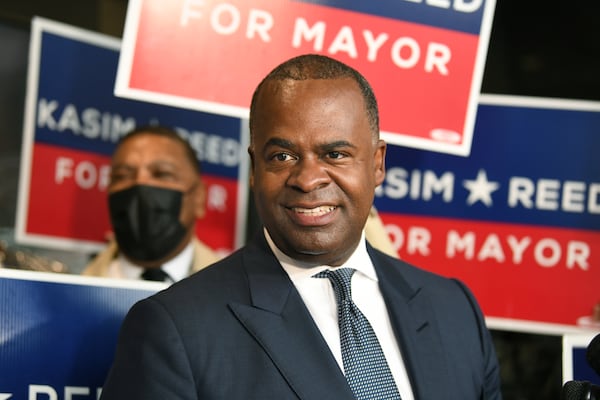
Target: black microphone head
x,y
593,354
575,390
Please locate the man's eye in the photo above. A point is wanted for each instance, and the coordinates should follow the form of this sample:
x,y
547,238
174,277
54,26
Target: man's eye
x,y
118,177
163,174
282,157
335,154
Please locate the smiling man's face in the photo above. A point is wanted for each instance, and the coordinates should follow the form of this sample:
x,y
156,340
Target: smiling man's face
x,y
315,166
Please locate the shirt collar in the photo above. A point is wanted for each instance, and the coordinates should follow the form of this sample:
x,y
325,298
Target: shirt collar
x,y
177,268
359,260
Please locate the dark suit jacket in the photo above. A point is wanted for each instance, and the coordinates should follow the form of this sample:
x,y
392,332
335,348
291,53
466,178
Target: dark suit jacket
x,y
239,330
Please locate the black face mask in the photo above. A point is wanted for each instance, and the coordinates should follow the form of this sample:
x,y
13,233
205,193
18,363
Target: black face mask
x,y
145,220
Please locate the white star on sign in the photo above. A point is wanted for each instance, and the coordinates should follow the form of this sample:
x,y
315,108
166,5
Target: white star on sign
x,y
5,396
480,189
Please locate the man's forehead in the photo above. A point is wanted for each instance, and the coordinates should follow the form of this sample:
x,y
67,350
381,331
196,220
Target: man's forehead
x,y
150,146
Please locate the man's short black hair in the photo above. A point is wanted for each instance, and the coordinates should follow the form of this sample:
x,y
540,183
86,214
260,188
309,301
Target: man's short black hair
x,y
166,132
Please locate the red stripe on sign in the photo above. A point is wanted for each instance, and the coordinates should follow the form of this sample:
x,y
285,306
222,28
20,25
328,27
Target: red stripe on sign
x,y
67,197
536,273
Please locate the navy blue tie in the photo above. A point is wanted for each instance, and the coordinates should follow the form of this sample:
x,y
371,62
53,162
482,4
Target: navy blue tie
x,y
365,366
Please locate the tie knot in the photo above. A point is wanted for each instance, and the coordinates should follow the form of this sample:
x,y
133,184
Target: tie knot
x,y
155,274
340,280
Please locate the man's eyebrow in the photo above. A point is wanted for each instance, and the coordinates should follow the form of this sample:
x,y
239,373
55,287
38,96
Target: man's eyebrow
x,y
336,145
325,146
280,142
121,165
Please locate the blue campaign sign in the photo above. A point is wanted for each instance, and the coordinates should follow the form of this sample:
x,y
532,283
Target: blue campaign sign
x,y
526,154
72,123
460,15
575,364
518,220
58,332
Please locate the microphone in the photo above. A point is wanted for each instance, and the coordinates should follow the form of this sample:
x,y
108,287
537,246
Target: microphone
x,y
580,390
584,390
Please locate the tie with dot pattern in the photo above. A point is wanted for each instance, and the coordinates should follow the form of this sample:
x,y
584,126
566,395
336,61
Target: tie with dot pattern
x,y
365,366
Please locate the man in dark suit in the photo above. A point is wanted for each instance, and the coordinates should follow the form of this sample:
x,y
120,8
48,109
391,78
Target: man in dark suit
x,y
260,324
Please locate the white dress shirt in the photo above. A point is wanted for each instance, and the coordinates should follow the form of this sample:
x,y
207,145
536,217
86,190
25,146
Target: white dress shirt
x,y
177,268
319,298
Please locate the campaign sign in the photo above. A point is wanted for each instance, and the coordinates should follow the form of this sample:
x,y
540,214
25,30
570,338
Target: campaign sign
x,y
72,122
518,220
424,59
58,333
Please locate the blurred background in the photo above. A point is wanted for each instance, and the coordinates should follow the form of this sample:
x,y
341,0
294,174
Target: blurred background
x,y
537,48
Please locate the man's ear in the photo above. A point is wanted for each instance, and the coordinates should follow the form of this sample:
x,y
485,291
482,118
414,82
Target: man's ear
x,y
380,150
251,154
200,199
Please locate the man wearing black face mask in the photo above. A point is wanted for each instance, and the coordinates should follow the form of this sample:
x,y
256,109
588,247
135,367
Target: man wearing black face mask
x,y
155,196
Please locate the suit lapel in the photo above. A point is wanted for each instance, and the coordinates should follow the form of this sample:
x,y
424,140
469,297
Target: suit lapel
x,y
415,326
281,323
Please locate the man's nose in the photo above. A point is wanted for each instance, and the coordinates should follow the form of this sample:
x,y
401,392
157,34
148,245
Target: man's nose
x,y
309,174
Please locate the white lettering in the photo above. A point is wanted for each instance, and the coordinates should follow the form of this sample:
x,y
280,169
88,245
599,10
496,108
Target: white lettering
x,y
438,56
431,185
64,169
259,22
573,196
578,254
213,148
45,111
421,186
457,243
69,119
374,44
344,41
187,12
549,246
217,198
464,6
518,247
230,14
520,192
90,122
85,173
302,31
34,390
405,52
467,6
547,194
554,195
593,198
418,241
491,248
413,50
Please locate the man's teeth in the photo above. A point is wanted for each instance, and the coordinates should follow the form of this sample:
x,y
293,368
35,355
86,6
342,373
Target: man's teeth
x,y
315,211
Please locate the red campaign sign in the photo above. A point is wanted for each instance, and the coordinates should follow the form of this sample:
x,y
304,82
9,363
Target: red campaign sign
x,y
525,272
81,210
210,56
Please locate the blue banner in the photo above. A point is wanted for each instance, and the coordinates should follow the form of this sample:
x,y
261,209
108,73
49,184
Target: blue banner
x,y
58,333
